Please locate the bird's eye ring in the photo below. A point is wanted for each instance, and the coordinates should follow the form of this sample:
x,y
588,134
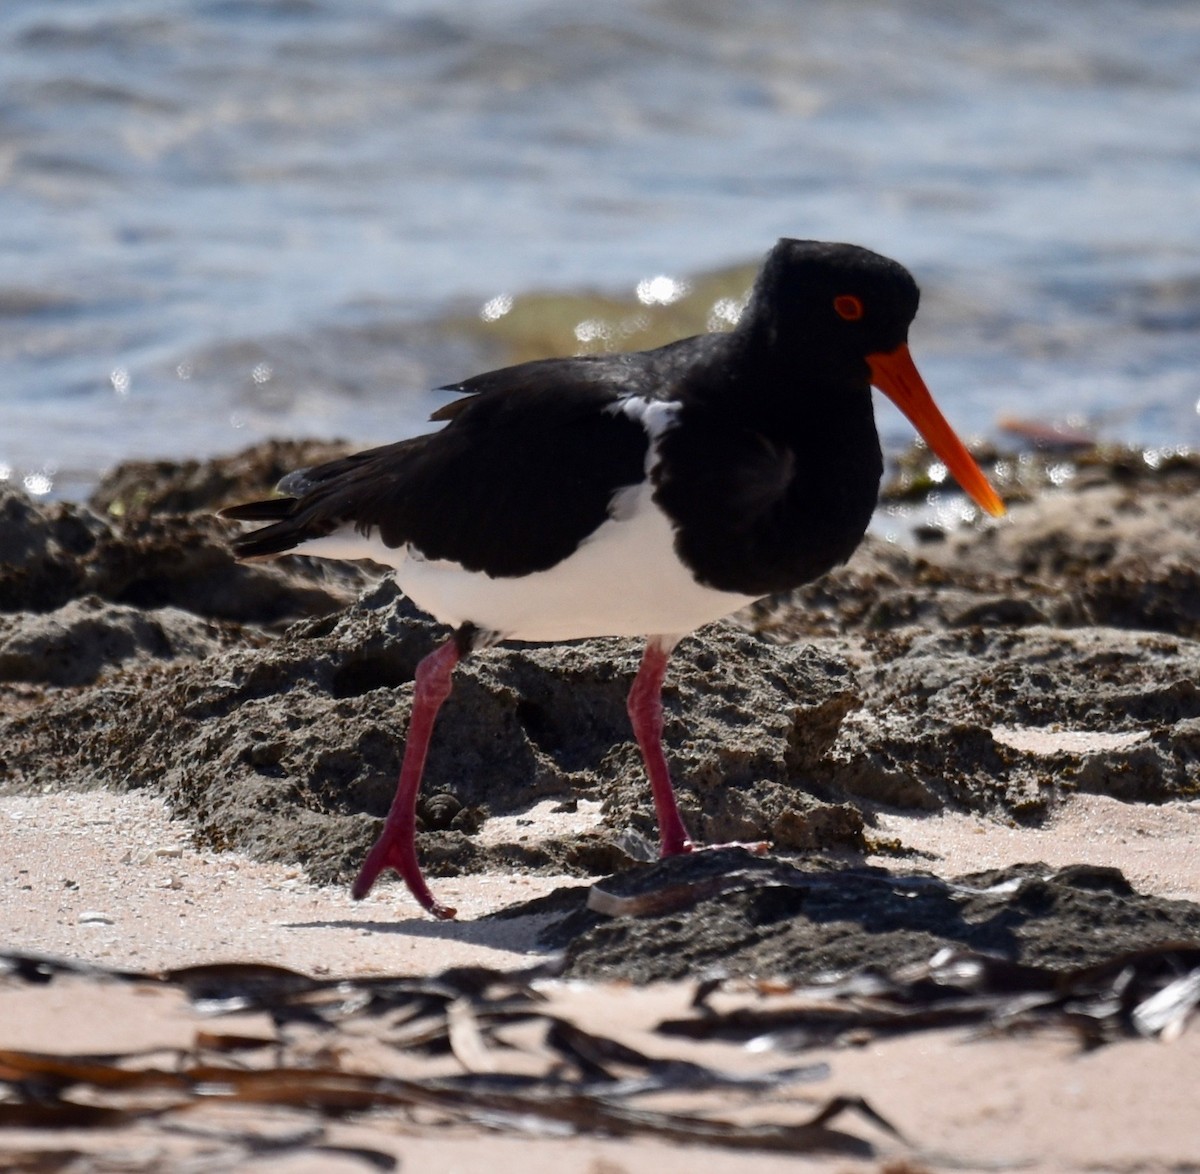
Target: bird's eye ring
x,y
848,307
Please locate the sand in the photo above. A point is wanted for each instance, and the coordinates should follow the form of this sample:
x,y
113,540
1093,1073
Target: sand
x,y
111,879
991,742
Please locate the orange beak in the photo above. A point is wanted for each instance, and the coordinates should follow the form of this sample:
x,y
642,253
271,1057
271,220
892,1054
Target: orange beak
x,y
896,375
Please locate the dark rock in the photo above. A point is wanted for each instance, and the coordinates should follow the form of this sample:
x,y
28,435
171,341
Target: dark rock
x,y
42,549
135,655
81,640
52,554
139,488
293,749
764,918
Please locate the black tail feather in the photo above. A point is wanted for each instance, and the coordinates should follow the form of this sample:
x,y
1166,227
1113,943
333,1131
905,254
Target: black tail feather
x,y
274,509
312,503
278,539
290,528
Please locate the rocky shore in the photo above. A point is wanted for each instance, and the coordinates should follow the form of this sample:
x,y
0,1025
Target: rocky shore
x,y
996,670
955,744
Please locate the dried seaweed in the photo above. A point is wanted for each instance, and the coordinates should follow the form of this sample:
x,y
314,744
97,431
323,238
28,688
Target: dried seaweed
x,y
471,1026
589,1083
1150,992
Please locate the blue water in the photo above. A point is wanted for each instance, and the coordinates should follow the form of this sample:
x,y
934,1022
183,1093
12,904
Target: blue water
x,y
226,220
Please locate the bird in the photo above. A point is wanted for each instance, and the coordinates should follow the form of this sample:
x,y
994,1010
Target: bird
x,y
640,494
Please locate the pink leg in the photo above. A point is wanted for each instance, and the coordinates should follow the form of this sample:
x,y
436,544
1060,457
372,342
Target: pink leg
x,y
397,845
646,714
645,711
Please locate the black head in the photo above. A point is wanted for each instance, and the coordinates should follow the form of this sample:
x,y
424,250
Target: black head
x,y
828,318
840,302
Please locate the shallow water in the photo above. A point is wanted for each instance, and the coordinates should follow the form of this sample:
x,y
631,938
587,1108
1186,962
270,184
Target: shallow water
x,y
229,219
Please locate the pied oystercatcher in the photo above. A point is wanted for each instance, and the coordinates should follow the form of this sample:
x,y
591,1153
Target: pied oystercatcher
x,y
641,494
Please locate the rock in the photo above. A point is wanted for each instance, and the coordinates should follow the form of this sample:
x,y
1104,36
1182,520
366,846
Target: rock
x,y
139,488
42,550
292,750
770,919
1127,556
79,641
924,679
52,554
924,737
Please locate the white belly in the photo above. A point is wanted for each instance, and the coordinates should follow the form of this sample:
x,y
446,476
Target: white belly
x,y
624,580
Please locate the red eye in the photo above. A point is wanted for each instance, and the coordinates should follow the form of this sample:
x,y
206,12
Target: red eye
x,y
848,307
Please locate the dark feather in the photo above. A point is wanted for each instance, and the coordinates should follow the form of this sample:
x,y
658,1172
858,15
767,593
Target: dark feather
x,y
525,469
653,374
271,510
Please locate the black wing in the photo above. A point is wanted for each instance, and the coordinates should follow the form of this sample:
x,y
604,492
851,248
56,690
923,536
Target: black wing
x,y
653,374
525,469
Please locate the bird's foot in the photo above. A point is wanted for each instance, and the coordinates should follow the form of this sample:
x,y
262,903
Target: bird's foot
x,y
392,852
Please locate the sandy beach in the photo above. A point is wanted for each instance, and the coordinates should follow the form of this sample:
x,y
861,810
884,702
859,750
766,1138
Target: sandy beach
x,y
986,747
112,879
